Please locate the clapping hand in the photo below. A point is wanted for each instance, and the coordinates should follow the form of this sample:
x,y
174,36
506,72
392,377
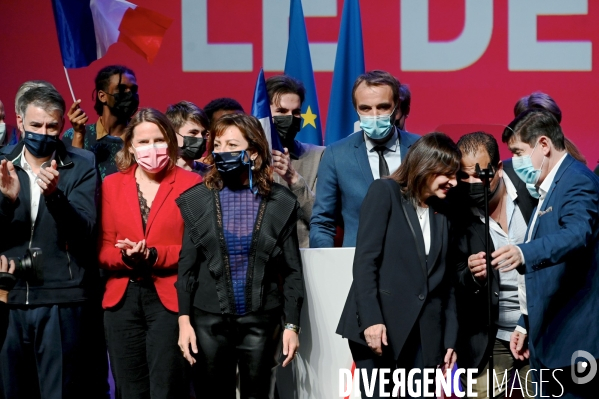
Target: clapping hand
x,y
9,181
137,251
48,178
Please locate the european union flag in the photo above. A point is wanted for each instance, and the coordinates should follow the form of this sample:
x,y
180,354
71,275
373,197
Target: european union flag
x,y
261,110
298,64
349,64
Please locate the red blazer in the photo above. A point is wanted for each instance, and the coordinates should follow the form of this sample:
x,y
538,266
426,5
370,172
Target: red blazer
x,y
121,218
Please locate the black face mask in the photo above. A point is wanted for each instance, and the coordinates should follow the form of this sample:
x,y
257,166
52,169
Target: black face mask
x,y
40,145
125,102
230,163
125,105
288,127
476,193
193,147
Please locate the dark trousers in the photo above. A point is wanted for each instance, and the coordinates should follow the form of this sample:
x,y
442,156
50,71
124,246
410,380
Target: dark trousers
x,y
409,358
252,342
44,352
97,355
142,335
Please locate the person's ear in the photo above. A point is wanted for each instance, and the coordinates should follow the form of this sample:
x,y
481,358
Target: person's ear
x,y
20,124
545,143
499,170
102,96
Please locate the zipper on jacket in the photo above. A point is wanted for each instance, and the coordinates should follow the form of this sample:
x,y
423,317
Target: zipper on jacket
x,y
27,282
69,263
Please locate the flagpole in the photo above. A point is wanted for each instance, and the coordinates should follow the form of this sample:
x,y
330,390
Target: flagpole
x,y
69,82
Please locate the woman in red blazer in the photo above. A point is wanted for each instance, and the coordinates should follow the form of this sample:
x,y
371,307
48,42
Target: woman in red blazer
x,y
142,232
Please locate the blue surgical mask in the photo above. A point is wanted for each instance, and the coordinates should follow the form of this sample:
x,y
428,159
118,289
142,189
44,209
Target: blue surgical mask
x,y
378,126
524,169
532,190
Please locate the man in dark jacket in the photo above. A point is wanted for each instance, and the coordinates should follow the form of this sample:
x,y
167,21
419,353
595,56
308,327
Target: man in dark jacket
x,y
47,200
510,208
7,281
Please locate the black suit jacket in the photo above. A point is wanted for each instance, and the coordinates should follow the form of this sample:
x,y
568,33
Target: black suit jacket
x,y
3,322
472,298
394,282
275,267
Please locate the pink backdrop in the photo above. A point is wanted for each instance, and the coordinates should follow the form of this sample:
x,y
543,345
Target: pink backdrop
x,y
483,92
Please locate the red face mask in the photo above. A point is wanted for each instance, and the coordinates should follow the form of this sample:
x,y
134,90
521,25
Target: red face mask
x,y
153,157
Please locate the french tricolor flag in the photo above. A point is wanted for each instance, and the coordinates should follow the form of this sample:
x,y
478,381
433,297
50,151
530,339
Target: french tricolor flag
x,y
86,28
261,110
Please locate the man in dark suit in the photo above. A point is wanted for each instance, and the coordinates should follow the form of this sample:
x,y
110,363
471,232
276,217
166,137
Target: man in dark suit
x,y
349,166
510,208
559,259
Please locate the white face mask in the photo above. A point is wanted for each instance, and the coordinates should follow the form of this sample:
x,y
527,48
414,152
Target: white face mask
x,y
2,131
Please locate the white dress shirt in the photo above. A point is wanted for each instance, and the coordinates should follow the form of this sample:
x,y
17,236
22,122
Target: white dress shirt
x,y
35,189
392,154
425,226
509,306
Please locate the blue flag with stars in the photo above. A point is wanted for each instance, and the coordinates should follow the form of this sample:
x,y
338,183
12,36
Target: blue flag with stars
x,y
349,64
261,110
298,65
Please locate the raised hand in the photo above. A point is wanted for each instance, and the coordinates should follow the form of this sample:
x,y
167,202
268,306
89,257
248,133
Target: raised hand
x,y
78,117
9,181
48,178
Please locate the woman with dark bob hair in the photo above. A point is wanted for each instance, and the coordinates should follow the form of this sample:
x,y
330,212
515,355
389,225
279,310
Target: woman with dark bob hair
x,y
400,311
240,279
142,231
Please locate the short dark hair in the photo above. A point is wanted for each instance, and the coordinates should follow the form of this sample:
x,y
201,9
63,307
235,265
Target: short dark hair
x,y
276,86
184,111
47,98
538,100
405,99
471,143
532,124
221,104
431,155
102,82
377,78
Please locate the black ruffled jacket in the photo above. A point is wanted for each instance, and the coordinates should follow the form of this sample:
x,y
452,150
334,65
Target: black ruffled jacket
x,y
275,268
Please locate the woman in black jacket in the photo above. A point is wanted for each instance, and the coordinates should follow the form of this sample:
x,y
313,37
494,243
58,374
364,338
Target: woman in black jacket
x,y
240,271
400,311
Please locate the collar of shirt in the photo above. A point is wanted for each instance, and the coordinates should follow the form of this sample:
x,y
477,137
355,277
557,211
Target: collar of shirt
x,y
509,209
511,192
25,165
100,130
392,144
509,187
546,185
